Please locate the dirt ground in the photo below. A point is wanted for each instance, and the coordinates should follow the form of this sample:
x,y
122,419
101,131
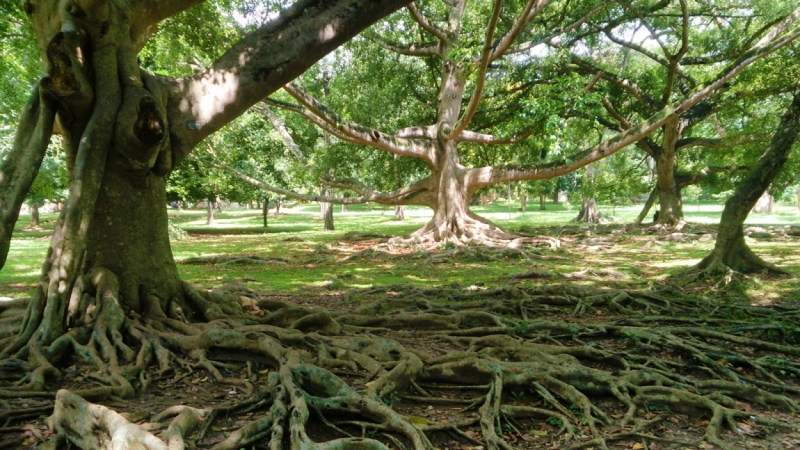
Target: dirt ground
x,y
450,412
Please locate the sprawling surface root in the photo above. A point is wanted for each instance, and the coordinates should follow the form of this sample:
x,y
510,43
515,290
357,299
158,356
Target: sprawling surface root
x,y
470,229
406,370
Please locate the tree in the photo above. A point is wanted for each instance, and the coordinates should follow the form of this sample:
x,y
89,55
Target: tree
x,y
731,252
460,59
124,129
660,57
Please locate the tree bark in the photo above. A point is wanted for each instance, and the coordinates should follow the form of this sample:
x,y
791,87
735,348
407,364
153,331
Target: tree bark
x,y
669,194
34,214
266,210
326,210
589,212
730,249
129,236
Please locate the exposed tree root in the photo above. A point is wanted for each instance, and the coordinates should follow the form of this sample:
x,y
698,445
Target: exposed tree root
x,y
311,378
470,229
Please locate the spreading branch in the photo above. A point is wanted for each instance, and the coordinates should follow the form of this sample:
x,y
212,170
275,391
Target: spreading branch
x,y
720,142
402,196
421,49
262,63
287,138
531,10
357,133
425,23
486,176
481,77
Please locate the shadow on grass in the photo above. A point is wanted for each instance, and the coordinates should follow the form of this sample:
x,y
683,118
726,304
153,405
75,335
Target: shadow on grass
x,y
253,230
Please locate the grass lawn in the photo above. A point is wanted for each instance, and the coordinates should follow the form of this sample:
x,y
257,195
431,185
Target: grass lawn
x,y
314,256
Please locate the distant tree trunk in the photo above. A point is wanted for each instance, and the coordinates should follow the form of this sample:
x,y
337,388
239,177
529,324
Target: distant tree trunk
x,y
34,214
764,204
555,197
278,204
344,207
266,210
210,211
647,205
328,217
399,212
589,212
730,249
542,200
326,209
218,203
523,203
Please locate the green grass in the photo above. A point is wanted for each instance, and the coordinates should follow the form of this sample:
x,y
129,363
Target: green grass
x,y
315,257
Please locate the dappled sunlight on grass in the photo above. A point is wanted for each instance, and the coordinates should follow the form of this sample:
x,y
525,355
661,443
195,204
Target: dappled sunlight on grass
x,y
307,259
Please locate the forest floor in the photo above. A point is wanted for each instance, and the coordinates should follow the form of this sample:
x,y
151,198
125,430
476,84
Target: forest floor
x,y
609,293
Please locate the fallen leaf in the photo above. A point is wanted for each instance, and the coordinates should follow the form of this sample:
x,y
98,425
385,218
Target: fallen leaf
x,y
538,432
637,446
418,421
744,406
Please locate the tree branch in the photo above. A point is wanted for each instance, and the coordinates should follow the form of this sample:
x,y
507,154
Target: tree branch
x,y
486,176
423,49
674,60
481,78
402,196
646,101
424,23
525,17
358,133
263,62
721,142
287,138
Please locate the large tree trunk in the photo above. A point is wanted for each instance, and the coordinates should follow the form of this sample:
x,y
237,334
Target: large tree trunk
x,y
730,249
129,236
399,212
669,194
